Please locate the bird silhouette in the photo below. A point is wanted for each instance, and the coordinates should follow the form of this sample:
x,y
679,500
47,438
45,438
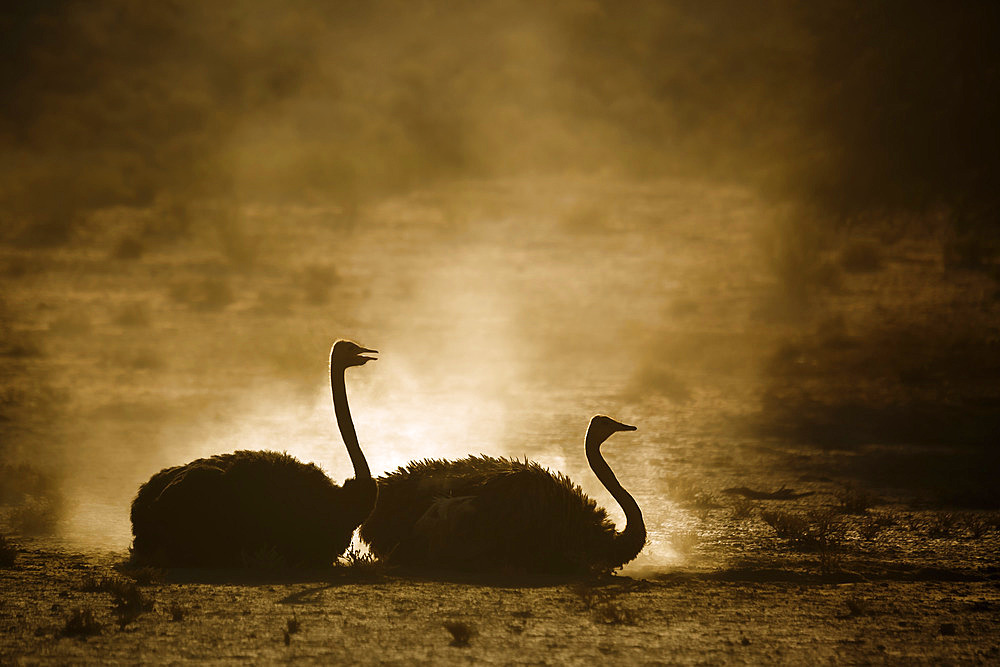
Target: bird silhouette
x,y
485,514
257,507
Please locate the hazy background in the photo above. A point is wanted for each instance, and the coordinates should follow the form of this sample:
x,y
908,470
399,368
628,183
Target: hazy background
x,y
766,233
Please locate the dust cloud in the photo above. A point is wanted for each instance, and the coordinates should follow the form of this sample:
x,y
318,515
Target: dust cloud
x,y
536,212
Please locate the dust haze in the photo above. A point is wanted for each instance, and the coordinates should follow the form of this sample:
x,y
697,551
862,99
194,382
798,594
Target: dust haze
x,y
537,212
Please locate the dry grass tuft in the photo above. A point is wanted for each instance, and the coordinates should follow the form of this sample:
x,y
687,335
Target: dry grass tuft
x,y
361,565
858,607
81,623
854,501
604,606
743,509
177,612
461,632
129,601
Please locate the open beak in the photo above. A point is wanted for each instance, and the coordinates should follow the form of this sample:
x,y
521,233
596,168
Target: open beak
x,y
363,352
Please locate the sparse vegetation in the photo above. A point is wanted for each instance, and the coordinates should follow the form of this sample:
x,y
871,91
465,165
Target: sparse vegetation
x,y
976,525
177,612
143,575
854,500
870,527
461,632
943,524
603,605
81,623
858,606
819,529
743,509
362,565
130,603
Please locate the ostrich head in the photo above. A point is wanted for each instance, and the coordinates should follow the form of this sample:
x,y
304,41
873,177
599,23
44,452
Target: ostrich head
x,y
602,427
346,354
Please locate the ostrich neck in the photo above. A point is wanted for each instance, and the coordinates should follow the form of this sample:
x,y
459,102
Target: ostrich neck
x,y
346,424
629,542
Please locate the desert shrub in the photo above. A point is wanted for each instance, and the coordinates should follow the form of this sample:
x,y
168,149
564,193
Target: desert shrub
x,y
817,530
603,605
943,524
975,525
361,565
176,611
143,575
129,603
854,501
461,632
857,606
743,509
870,527
81,623
689,495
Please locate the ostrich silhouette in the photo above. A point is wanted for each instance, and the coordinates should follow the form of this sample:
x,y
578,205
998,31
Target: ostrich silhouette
x,y
230,510
485,514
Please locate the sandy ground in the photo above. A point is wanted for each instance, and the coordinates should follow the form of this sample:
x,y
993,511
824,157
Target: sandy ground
x,y
692,617
507,314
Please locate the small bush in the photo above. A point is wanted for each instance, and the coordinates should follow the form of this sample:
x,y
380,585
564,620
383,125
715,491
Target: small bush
x,y
362,565
176,611
81,623
858,607
975,525
129,604
604,606
855,501
819,529
461,632
743,509
943,524
144,575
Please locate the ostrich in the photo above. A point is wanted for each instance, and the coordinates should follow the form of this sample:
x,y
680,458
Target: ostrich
x,y
485,514
251,507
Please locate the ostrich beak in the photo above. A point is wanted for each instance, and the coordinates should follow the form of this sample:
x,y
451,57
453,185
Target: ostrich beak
x,y
363,351
624,427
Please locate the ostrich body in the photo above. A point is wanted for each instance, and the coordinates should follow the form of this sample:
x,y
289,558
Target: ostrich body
x,y
485,514
232,510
